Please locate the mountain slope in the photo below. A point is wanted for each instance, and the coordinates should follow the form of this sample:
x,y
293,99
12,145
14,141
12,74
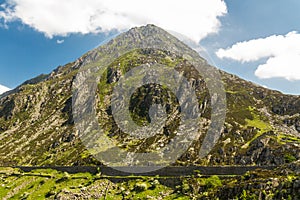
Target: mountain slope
x,y
37,127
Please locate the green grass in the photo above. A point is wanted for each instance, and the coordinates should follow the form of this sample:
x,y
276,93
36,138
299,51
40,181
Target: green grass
x,y
231,92
38,183
46,183
50,184
256,122
285,138
289,158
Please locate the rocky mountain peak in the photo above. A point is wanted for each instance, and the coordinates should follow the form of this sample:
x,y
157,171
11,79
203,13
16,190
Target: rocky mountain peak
x,y
37,126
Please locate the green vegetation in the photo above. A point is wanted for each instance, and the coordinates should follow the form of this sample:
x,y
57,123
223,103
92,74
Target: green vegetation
x,y
51,184
258,123
289,158
285,138
213,182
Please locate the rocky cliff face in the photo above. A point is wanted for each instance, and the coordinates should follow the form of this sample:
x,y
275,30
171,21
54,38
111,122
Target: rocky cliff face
x,y
262,126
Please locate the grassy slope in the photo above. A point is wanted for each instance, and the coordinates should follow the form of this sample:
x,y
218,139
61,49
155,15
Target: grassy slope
x,y
51,184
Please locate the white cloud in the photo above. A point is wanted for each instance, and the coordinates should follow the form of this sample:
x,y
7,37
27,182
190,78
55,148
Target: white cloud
x,y
282,53
193,18
3,89
60,41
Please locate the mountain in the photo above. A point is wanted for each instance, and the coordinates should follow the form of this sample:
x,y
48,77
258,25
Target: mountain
x,y
262,126
38,126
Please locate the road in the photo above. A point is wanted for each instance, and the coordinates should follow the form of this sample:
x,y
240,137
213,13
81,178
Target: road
x,y
167,171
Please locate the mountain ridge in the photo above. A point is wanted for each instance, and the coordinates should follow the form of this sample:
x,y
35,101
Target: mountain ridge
x,y
37,125
38,131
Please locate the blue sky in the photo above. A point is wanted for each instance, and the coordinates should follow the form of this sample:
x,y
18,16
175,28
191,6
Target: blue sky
x,y
25,53
37,36
253,19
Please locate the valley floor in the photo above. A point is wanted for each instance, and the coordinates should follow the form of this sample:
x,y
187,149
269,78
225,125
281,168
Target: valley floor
x,y
281,183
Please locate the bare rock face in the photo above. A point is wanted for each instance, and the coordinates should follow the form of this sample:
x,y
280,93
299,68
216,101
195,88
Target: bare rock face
x,y
297,125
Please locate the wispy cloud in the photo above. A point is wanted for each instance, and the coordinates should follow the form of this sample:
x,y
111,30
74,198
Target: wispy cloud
x,y
60,41
3,89
282,53
193,18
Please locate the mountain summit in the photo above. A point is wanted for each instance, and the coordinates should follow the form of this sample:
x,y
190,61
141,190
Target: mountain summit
x,y
262,127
